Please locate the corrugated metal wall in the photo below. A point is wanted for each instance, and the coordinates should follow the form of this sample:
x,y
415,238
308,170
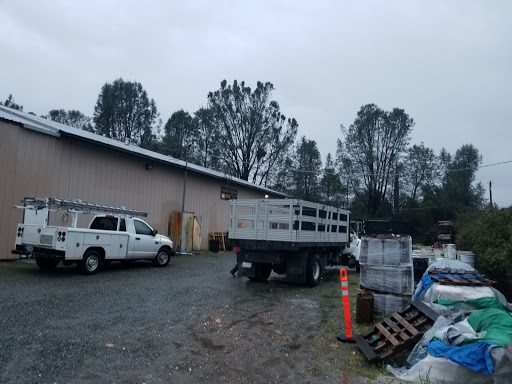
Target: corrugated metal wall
x,y
40,165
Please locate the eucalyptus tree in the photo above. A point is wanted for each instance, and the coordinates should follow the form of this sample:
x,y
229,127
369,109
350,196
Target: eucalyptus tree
x,y
307,170
461,175
179,135
124,112
208,139
9,102
73,118
331,188
254,134
373,145
419,168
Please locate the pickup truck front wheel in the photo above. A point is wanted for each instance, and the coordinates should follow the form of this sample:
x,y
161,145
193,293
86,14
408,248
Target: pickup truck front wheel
x,y
162,258
90,263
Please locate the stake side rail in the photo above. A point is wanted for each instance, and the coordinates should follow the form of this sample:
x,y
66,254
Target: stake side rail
x,y
288,220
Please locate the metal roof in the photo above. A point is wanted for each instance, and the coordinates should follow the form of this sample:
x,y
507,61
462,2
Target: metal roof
x,y
53,128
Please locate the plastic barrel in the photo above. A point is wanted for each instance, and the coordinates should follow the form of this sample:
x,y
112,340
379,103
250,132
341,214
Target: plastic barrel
x,y
214,246
364,308
467,257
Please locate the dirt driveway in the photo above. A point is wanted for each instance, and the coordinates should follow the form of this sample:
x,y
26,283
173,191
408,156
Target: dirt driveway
x,y
188,323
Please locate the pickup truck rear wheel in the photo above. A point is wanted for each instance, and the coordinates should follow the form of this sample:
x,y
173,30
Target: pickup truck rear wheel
x,y
262,272
46,264
162,258
314,271
90,263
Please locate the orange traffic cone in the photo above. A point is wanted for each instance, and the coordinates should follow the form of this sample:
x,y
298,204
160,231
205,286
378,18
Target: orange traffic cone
x,y
346,308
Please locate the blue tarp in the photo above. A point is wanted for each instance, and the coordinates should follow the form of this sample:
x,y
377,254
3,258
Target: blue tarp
x,y
476,356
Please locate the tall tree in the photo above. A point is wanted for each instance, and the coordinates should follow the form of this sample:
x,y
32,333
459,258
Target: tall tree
x,y
255,135
124,112
209,141
444,160
331,188
11,104
350,180
419,169
179,135
73,118
461,175
284,178
374,144
307,170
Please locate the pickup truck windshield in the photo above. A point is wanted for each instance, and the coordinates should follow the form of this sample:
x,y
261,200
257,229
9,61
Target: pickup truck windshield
x,y
104,223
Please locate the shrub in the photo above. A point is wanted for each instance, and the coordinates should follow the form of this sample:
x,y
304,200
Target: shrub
x,y
490,238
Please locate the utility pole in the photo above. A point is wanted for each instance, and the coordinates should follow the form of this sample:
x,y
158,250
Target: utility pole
x,y
490,192
183,236
396,191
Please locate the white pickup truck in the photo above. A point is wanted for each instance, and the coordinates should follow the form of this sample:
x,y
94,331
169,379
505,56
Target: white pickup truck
x,y
115,236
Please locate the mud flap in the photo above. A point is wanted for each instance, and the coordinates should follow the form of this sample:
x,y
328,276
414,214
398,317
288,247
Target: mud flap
x,y
243,270
296,266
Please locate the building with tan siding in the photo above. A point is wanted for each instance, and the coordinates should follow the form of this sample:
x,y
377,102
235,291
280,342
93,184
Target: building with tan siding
x,y
42,158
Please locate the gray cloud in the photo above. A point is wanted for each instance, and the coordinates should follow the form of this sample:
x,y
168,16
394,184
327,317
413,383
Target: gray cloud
x,y
446,63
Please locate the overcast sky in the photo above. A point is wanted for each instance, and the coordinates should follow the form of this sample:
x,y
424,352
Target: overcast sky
x,y
447,63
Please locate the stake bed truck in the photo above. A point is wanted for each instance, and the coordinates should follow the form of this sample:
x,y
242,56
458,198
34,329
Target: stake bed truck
x,y
295,238
114,235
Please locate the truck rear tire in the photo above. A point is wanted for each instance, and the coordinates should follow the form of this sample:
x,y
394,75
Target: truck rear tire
x,y
162,258
313,271
262,272
358,267
46,264
90,263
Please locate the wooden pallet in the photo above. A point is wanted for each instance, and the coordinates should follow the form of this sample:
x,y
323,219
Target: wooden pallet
x,y
459,280
397,333
221,237
438,271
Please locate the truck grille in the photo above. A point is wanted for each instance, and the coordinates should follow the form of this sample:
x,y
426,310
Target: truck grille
x,y
46,239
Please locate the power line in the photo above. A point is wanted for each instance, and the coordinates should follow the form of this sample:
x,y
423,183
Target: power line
x,y
493,164
425,208
394,174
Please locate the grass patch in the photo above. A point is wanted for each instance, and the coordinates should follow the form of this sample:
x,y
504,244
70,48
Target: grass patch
x,y
347,356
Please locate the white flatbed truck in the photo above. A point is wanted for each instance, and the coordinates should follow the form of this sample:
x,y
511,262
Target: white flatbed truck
x,y
295,238
114,234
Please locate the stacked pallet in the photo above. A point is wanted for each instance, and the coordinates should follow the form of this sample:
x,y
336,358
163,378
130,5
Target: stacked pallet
x,y
397,333
217,241
387,272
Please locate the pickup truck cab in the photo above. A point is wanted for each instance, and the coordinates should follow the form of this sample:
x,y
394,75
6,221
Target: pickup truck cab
x,y
108,238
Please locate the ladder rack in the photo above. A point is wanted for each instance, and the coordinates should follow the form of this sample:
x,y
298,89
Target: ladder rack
x,y
77,206
51,204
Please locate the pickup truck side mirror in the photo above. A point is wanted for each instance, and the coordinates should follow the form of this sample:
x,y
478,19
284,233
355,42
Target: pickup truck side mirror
x,y
154,232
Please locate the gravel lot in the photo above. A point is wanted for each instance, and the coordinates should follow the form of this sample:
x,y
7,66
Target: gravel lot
x,y
190,322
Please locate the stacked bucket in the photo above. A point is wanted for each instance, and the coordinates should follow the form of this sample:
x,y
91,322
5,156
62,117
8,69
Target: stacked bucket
x,y
387,272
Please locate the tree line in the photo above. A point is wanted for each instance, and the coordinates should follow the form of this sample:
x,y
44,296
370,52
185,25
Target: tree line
x,y
241,131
